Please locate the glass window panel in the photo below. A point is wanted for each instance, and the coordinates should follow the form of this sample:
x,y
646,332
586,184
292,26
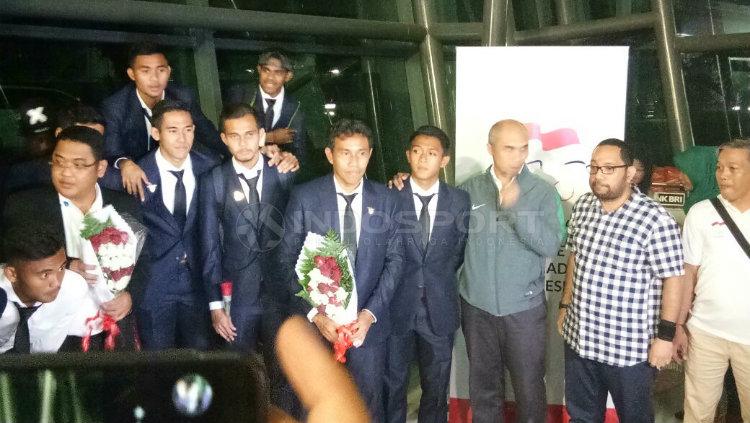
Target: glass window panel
x,y
62,72
330,87
701,17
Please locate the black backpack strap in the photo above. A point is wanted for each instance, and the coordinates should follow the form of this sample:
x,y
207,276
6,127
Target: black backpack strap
x,y
217,180
731,225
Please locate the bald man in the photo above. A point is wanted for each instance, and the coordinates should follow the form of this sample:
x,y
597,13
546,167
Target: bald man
x,y
515,225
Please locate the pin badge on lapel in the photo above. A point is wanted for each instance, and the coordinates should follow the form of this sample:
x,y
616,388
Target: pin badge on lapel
x,y
238,196
151,188
370,210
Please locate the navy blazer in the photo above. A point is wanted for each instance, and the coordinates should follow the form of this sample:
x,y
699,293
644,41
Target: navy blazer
x,y
234,245
291,115
125,135
169,250
42,205
434,270
313,207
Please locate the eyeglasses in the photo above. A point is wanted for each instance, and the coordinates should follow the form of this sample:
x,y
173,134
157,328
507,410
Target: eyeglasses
x,y
606,170
66,164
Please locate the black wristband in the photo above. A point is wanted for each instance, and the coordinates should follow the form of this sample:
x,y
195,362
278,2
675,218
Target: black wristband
x,y
666,330
562,305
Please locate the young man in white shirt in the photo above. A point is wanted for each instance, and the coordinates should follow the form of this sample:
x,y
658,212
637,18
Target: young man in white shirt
x,y
713,324
47,305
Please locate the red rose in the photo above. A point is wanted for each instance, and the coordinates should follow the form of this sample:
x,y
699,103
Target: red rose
x,y
323,288
321,309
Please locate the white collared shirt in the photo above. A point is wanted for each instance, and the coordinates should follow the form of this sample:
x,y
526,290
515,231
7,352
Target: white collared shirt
x,y
276,107
53,321
257,170
149,112
72,218
721,306
432,205
356,206
168,180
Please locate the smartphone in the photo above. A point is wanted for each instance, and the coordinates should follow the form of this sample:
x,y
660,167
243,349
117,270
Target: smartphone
x,y
169,386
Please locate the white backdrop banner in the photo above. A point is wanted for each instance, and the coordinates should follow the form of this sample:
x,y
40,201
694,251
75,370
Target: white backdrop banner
x,y
570,98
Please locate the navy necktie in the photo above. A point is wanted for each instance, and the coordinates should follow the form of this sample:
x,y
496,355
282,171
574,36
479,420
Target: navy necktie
x,y
424,218
268,124
22,342
350,227
252,184
180,199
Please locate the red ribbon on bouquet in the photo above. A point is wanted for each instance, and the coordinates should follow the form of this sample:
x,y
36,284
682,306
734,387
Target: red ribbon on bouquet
x,y
344,342
109,325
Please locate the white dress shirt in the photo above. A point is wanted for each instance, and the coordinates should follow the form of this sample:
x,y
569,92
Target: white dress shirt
x,y
257,170
356,207
53,321
168,180
431,205
276,106
72,218
149,112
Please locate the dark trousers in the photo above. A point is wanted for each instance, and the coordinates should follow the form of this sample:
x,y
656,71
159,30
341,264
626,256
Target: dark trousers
x,y
587,383
175,322
367,366
281,392
516,341
433,353
248,331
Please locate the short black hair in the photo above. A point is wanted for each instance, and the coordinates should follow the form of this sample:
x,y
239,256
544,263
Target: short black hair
x,y
144,49
435,132
31,242
283,59
84,135
165,106
79,114
626,152
236,111
347,128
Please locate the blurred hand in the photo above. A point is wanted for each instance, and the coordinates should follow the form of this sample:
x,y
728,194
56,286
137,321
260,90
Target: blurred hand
x,y
82,269
118,307
324,386
280,136
510,194
660,353
361,327
223,325
680,344
284,162
398,180
133,178
561,320
327,327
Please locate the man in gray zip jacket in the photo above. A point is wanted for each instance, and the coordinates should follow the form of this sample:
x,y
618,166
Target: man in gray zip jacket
x,y
516,223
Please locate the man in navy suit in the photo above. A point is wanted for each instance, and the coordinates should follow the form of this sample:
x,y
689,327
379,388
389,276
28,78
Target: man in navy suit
x,y
173,312
424,310
365,216
278,110
241,216
241,206
127,114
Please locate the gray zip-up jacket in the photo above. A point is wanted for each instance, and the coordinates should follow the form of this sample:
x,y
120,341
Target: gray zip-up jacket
x,y
507,248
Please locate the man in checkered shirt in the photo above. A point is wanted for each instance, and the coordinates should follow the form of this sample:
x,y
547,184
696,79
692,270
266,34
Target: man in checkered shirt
x,y
622,292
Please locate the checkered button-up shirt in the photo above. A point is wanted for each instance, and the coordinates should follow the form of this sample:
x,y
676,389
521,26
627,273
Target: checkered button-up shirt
x,y
620,261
